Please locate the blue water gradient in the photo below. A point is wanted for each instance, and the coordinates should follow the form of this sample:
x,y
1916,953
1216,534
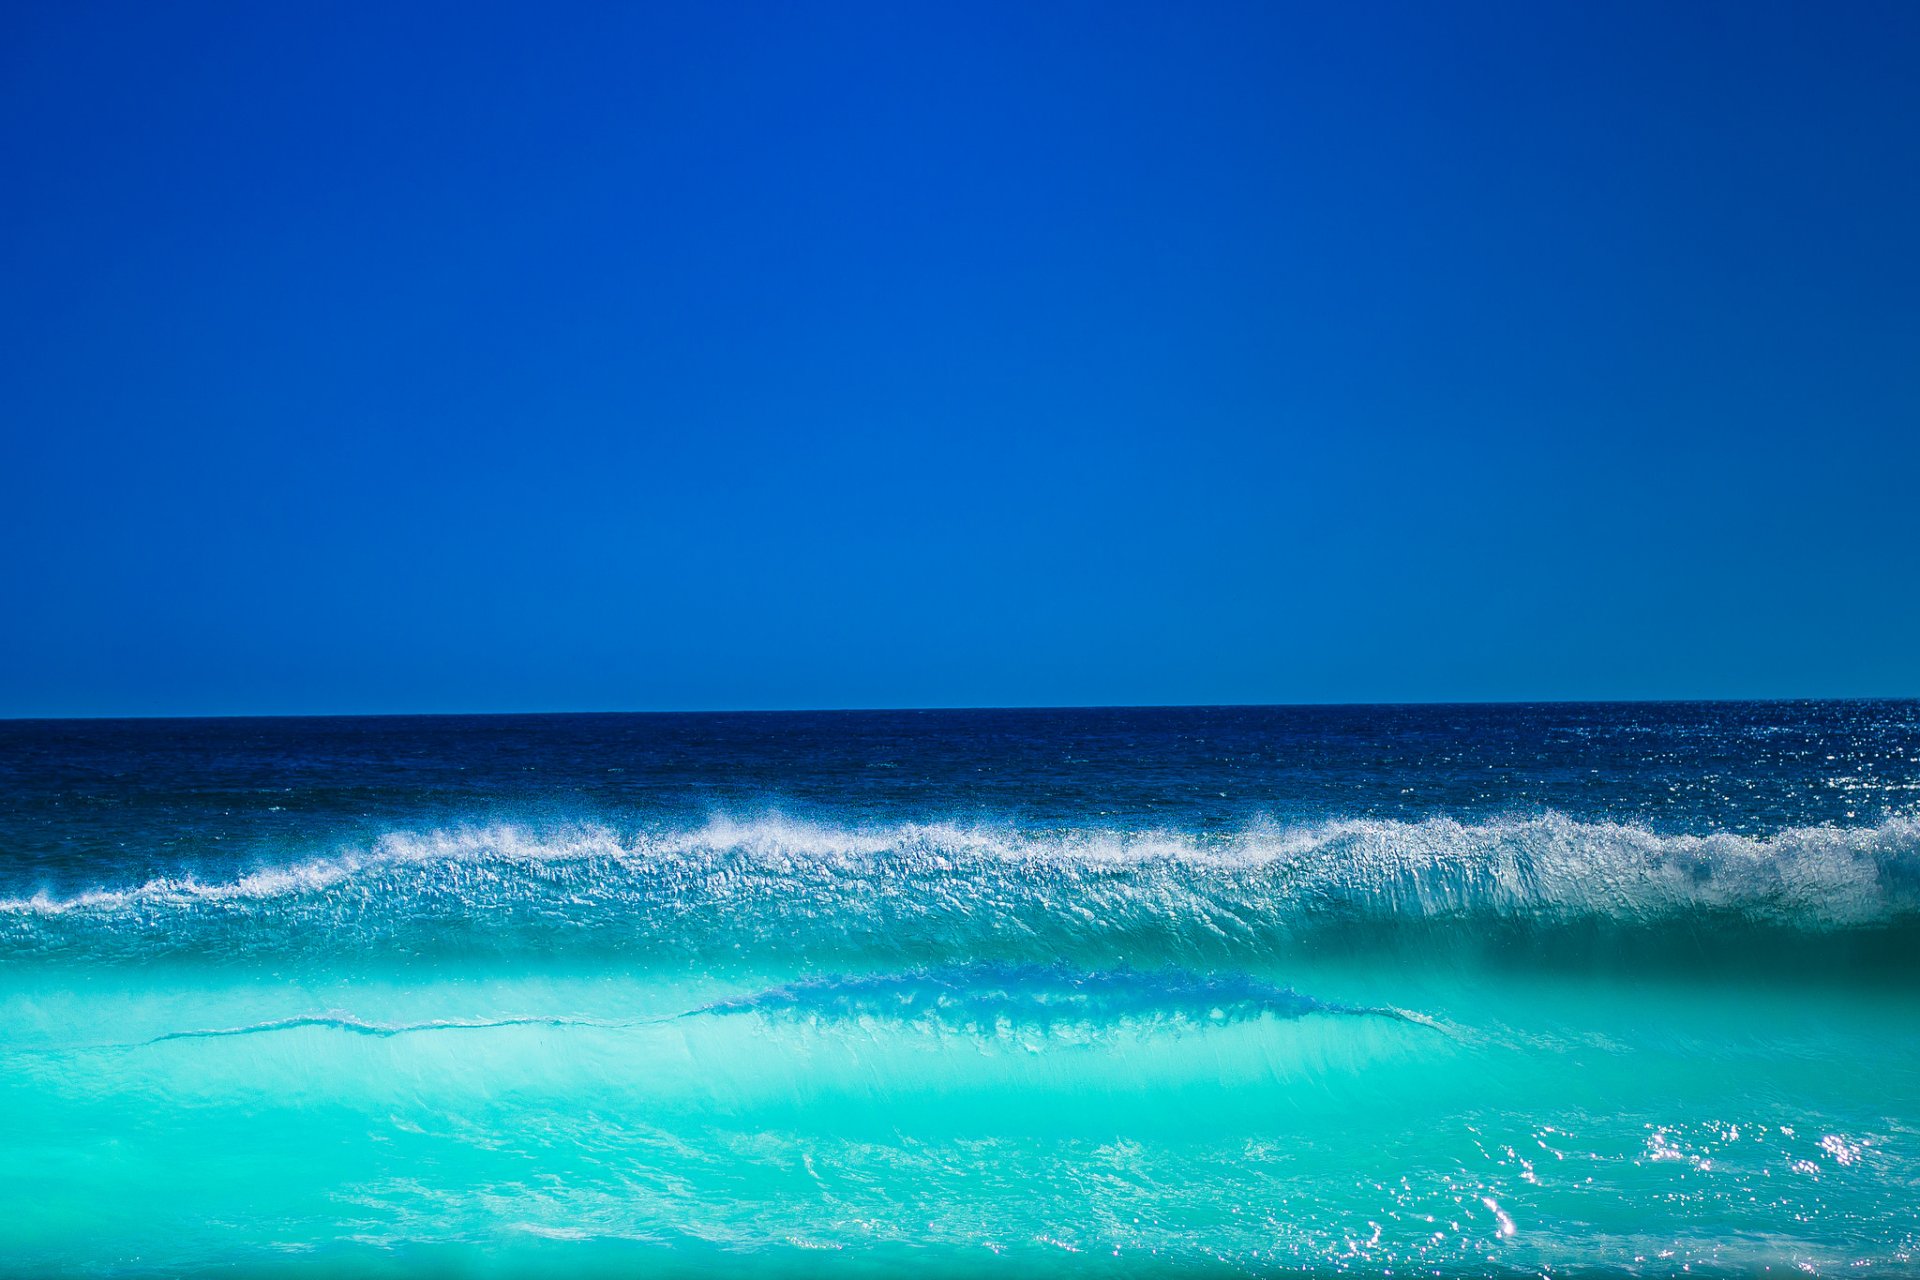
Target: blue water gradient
x,y
1454,991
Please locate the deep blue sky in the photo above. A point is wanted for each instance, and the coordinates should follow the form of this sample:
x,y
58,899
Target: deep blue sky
x,y
399,357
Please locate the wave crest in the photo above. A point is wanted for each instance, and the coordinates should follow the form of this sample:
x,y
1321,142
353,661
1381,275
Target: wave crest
x,y
944,892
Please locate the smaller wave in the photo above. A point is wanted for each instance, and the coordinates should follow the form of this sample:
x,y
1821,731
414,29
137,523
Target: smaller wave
x,y
979,995
955,997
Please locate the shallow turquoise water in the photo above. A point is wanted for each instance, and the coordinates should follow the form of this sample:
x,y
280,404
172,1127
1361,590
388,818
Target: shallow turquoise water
x,y
1529,1121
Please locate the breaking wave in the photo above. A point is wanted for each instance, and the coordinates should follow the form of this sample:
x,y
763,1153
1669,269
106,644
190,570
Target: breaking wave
x,y
928,894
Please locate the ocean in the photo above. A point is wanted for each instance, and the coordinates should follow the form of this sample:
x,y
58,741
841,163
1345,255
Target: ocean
x,y
1627,989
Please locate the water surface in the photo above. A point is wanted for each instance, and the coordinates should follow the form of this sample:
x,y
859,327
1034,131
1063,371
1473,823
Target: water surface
x,y
1384,990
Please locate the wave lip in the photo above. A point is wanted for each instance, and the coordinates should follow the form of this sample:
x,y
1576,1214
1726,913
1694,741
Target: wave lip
x,y
944,893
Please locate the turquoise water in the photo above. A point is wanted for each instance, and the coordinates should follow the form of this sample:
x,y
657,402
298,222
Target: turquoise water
x,y
1306,1026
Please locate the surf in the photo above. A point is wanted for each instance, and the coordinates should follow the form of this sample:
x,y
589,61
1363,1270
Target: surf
x,y
1535,889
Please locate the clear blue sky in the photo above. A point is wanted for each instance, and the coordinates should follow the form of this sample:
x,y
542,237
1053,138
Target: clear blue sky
x,y
408,357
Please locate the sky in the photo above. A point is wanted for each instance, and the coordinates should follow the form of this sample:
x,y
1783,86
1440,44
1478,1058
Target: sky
x,y
477,357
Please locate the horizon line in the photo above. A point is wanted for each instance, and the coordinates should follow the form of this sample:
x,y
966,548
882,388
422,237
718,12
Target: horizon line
x,y
985,707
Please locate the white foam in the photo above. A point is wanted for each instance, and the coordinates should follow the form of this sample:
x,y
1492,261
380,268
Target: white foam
x,y
1544,865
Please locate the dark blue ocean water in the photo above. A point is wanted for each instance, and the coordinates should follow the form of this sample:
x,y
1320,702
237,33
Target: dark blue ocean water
x,y
1371,990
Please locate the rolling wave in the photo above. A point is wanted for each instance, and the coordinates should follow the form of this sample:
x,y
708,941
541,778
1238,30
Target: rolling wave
x,y
960,998
928,894
970,997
